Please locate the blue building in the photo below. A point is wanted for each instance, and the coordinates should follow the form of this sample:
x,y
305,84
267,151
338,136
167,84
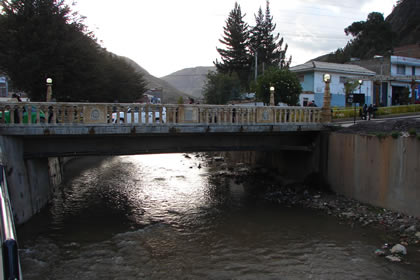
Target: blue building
x,y
311,78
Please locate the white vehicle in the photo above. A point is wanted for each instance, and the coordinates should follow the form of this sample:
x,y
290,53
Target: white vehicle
x,y
152,116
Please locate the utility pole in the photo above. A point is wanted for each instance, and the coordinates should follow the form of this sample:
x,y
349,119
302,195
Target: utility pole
x,y
256,65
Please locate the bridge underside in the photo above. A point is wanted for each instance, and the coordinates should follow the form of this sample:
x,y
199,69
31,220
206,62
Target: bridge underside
x,y
95,141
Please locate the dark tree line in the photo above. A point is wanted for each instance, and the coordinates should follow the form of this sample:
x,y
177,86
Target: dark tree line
x,y
247,51
44,38
371,37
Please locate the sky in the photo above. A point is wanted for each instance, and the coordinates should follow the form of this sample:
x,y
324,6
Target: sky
x,y
164,36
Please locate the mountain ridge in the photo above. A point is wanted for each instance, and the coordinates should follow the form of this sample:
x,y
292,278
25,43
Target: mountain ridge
x,y
170,93
190,80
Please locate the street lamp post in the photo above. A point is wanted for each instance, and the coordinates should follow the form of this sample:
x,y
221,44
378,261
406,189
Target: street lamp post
x,y
413,91
326,106
49,89
272,103
360,82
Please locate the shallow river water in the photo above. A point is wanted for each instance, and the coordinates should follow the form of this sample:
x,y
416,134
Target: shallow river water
x,y
164,217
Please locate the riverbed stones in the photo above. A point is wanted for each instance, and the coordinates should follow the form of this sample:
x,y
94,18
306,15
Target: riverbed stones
x,y
380,252
411,229
400,228
399,249
393,258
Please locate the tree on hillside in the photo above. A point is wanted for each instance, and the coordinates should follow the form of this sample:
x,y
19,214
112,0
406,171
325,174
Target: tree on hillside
x,y
44,38
266,44
221,88
235,57
286,84
371,37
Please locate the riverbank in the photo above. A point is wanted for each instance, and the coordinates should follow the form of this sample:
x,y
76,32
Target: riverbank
x,y
397,228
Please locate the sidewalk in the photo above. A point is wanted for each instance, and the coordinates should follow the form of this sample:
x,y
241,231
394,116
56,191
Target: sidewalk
x,y
350,122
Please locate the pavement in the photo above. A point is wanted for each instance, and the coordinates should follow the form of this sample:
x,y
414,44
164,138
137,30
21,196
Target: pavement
x,y
348,123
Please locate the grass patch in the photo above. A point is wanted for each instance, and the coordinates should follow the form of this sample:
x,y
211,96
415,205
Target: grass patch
x,y
395,134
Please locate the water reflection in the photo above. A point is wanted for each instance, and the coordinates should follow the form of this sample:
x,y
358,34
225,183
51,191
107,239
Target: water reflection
x,y
174,217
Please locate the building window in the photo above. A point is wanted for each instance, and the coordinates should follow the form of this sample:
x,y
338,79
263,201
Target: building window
x,y
413,70
401,69
305,101
301,78
3,91
343,80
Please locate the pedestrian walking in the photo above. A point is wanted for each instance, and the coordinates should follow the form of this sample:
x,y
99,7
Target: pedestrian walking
x,y
364,110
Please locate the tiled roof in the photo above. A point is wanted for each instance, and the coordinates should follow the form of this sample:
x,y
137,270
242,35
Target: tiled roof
x,y
332,67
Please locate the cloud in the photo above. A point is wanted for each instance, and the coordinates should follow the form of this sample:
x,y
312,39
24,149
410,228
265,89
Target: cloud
x,y
164,36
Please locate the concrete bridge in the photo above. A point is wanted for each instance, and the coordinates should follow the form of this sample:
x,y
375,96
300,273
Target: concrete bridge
x,y
68,129
34,137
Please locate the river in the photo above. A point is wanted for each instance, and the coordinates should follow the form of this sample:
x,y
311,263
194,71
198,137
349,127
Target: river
x,y
171,216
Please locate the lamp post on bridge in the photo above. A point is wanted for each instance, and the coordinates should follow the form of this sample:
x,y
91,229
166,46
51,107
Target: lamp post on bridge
x,y
49,89
326,106
272,103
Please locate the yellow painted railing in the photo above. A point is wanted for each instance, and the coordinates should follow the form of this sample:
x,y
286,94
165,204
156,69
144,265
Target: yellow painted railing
x,y
53,113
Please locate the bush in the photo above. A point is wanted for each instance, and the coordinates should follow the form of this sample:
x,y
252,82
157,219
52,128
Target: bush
x,y
412,131
381,135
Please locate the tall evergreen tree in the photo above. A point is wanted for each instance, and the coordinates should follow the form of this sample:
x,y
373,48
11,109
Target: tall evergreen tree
x,y
256,47
235,57
267,43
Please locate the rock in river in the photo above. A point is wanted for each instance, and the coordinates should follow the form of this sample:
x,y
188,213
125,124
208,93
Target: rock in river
x,y
399,249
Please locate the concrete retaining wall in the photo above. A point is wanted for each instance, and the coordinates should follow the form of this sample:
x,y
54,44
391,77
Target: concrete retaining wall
x,y
31,182
382,172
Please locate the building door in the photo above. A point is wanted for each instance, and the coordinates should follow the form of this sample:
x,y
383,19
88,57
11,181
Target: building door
x,y
398,97
384,95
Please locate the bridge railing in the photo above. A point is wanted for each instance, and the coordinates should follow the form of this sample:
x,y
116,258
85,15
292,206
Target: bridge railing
x,y
56,113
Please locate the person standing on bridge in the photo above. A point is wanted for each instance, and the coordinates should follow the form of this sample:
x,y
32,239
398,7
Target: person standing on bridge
x,y
370,111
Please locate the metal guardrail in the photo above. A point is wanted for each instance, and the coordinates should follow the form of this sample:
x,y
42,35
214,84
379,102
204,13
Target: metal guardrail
x,y
53,113
10,263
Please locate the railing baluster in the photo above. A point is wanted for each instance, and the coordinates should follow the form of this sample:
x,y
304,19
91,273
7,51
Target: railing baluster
x,y
20,113
38,114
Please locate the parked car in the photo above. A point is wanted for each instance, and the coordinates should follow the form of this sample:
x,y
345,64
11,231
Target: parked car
x,y
153,117
24,116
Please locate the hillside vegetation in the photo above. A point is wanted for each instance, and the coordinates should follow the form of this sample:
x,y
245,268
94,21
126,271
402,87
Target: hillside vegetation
x,y
379,36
